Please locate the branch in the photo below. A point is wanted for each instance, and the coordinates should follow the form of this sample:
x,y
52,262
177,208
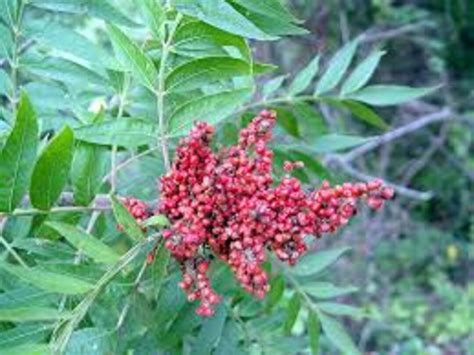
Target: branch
x,y
392,33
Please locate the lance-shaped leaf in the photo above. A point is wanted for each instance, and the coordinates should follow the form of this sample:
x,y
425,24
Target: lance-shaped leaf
x,y
272,86
155,16
304,77
85,242
335,142
132,57
327,290
51,171
386,95
26,314
17,156
362,73
49,281
211,331
311,264
293,310
126,221
313,332
337,335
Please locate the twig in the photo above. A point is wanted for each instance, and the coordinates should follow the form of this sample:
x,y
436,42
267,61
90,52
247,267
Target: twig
x,y
392,33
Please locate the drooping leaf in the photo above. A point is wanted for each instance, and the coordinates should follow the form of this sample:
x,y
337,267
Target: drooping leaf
x,y
126,132
304,77
337,68
362,73
49,281
387,95
51,171
88,168
202,71
313,263
327,290
337,335
313,332
293,310
85,242
211,331
222,15
210,108
17,156
132,57
126,221
335,142
27,314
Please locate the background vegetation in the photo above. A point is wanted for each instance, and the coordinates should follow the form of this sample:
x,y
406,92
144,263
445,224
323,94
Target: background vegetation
x,y
109,81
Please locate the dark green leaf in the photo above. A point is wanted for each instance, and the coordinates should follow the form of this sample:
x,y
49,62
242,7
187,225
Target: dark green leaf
x,y
85,242
337,335
126,221
386,95
156,221
364,113
313,332
293,310
337,68
52,169
327,290
313,263
17,156
211,108
277,287
203,71
48,281
132,57
26,314
362,74
304,77
125,132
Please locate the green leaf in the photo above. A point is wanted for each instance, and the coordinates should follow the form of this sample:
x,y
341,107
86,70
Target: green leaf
x,y
327,290
126,221
133,57
313,263
337,335
210,108
273,85
304,77
337,68
26,314
125,132
335,142
17,156
211,331
340,309
155,16
159,268
362,73
52,169
277,287
229,341
88,168
293,310
199,72
157,220
270,8
48,281
386,95
364,113
313,332
85,242
27,349
222,15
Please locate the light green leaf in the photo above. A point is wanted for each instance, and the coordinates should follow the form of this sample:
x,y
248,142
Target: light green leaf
x,y
313,332
26,314
364,113
277,287
222,15
126,221
304,77
211,108
327,290
362,73
273,85
132,57
28,349
211,332
155,16
337,335
313,263
17,156
386,95
335,142
48,281
125,132
199,72
85,242
270,8
157,220
51,171
88,168
337,68
293,310
340,309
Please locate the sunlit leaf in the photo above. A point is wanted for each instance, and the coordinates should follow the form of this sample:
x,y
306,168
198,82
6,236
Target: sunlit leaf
x,y
27,314
304,77
362,73
386,95
293,310
327,290
313,263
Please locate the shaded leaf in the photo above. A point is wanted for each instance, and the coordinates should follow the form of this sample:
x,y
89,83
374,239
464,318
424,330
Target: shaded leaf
x,y
340,309
211,331
313,332
27,314
337,335
17,156
126,221
277,287
335,142
327,290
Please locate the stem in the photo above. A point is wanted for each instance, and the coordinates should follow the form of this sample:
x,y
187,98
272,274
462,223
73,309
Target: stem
x,y
12,251
14,62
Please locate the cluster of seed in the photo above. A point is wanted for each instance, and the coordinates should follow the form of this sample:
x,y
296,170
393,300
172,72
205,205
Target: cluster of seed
x,y
224,204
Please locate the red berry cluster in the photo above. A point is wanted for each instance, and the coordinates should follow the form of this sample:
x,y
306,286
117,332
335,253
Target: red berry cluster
x,y
224,204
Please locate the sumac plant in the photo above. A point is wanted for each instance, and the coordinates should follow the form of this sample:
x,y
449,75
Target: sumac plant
x,y
157,195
